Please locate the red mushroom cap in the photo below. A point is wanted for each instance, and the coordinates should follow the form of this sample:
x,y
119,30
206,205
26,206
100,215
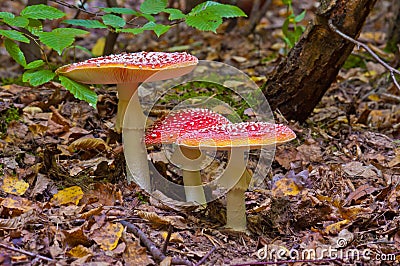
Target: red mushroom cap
x,y
245,134
129,67
177,123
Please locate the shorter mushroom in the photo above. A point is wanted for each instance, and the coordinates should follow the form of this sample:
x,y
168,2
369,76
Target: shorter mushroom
x,y
237,139
177,123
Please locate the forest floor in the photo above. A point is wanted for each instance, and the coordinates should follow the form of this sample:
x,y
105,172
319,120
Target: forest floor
x,y
336,188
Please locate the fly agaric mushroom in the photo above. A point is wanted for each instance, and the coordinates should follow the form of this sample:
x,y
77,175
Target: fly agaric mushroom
x,y
236,139
127,70
177,123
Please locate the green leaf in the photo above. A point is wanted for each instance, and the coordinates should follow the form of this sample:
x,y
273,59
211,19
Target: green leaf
x,y
226,11
80,91
148,17
84,49
60,38
14,35
119,10
35,26
204,21
71,31
222,10
158,29
17,21
203,6
113,21
6,15
132,30
288,42
35,64
298,32
38,77
285,27
89,24
174,13
153,6
300,17
42,12
15,52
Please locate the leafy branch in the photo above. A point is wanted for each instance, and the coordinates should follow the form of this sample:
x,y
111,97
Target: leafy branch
x,y
28,27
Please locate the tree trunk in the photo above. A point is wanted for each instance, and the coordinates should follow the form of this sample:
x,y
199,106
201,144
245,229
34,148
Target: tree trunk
x,y
111,38
301,79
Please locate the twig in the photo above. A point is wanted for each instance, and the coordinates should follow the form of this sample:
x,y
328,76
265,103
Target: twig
x,y
30,254
82,4
206,256
151,247
165,246
372,53
62,3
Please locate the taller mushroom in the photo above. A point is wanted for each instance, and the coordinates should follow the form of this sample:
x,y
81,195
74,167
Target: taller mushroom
x,y
127,70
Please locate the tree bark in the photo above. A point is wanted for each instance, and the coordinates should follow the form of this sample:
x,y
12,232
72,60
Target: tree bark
x,y
111,38
301,79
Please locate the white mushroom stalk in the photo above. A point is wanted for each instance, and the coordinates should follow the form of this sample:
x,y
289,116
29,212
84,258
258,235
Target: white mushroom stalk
x,y
237,138
127,70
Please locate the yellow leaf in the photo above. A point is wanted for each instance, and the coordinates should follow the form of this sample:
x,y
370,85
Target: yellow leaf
x,y
396,160
258,79
32,110
108,235
98,48
374,97
154,218
88,144
68,195
17,203
37,129
336,227
175,237
135,254
14,185
79,252
370,74
6,87
286,187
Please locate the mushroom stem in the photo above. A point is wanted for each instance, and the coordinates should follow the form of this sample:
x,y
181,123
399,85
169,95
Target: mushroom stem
x,y
193,187
235,197
133,126
125,93
189,160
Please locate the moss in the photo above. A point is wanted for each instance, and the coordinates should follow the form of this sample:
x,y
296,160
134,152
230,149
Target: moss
x,y
354,61
7,116
9,81
198,89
